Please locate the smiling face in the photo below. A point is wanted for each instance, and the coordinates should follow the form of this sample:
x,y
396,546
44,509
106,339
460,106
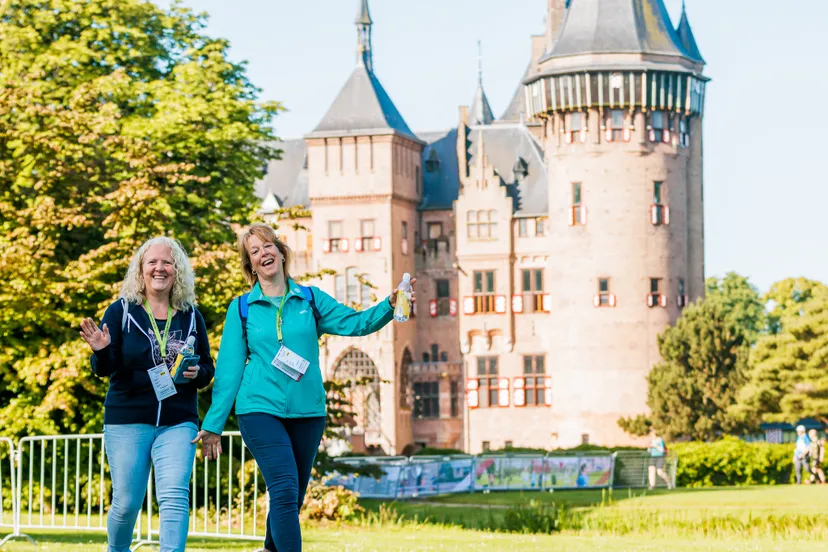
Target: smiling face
x,y
265,258
158,270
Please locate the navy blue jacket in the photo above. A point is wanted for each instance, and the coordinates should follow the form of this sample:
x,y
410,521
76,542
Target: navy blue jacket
x,y
135,350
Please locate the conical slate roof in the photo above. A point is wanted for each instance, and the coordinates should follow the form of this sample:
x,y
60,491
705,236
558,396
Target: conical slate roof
x,y
362,107
480,112
686,38
517,108
364,15
617,26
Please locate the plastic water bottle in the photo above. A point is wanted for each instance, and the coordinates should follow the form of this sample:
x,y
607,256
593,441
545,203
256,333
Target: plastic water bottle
x,y
403,308
188,349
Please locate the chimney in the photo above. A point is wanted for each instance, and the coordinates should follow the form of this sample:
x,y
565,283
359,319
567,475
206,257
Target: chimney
x,y
554,19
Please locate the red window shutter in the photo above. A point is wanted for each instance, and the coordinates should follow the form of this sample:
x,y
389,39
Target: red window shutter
x,y
662,300
612,301
547,395
326,246
517,304
666,214
596,300
651,300
377,244
572,216
453,307
654,214
503,392
405,246
652,135
358,244
609,134
468,305
666,135
432,308
414,308
547,302
500,304
343,245
627,134
472,393
519,393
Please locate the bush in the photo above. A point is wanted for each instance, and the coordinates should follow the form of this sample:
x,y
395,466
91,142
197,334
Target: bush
x,y
732,461
330,503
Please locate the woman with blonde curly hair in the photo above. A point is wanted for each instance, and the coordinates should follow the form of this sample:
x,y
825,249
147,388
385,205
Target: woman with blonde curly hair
x,y
149,417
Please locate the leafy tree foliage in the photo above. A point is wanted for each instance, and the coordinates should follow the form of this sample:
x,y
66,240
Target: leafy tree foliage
x,y
690,391
119,121
741,301
788,379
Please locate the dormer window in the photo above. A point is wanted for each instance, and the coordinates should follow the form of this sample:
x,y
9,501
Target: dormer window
x,y
432,162
520,169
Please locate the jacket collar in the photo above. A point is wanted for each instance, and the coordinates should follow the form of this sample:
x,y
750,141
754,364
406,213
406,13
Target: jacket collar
x,y
256,293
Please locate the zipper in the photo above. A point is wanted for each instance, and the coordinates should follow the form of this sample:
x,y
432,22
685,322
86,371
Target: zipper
x,y
158,418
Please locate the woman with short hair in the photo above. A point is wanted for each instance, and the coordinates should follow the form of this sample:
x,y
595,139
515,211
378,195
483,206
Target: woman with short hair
x,y
149,418
269,365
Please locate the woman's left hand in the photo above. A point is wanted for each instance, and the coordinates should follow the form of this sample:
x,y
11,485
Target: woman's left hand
x,y
192,373
393,298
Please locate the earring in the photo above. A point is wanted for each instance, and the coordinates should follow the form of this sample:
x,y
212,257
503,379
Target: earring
x,y
254,273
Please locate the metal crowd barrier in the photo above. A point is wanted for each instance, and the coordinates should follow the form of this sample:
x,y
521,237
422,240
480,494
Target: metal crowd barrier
x,y
62,482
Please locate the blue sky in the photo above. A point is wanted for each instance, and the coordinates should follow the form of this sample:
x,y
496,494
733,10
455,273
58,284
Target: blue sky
x,y
766,185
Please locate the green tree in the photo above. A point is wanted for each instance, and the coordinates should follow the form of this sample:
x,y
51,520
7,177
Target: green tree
x,y
741,301
690,391
788,376
119,120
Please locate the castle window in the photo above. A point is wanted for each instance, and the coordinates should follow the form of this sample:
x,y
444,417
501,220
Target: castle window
x,y
523,227
367,235
339,288
417,179
335,240
532,280
443,356
659,126
684,132
577,212
534,380
455,398
352,286
404,243
435,352
615,127
487,381
484,297
656,298
660,213
443,300
577,127
682,294
426,358
366,294
482,225
427,399
604,298
539,230
432,161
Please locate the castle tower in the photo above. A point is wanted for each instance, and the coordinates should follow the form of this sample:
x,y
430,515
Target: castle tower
x,y
364,187
621,94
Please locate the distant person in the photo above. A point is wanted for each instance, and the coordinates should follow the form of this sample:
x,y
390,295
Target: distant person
x,y
582,480
802,450
658,457
817,455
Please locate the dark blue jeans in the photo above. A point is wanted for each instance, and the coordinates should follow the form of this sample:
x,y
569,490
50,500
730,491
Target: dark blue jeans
x,y
285,449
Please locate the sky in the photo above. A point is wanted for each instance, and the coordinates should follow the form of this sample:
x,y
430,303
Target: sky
x,y
765,146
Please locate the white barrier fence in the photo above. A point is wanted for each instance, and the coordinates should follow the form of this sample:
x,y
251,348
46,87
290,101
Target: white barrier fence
x,y
62,482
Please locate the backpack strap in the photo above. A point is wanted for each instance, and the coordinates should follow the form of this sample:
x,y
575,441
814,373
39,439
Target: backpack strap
x,y
243,312
307,293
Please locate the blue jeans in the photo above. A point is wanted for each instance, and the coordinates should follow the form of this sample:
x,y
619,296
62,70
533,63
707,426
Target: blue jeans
x,y
284,449
130,448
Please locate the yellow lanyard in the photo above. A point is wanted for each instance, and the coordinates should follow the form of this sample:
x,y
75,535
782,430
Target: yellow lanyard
x,y
162,340
279,310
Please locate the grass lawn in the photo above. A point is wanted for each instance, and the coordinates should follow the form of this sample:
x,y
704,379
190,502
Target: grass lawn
x,y
738,519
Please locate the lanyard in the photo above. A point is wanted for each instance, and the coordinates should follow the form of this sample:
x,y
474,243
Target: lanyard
x,y
279,310
162,340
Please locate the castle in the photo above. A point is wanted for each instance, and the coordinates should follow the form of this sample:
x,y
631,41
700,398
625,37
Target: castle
x,y
551,245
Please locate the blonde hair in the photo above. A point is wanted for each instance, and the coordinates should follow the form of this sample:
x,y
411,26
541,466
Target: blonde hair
x,y
182,295
265,233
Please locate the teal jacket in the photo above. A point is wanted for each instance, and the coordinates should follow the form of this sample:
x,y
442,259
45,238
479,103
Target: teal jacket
x,y
253,382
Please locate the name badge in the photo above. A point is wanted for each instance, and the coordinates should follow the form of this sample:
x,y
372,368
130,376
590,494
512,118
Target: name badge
x,y
162,382
290,363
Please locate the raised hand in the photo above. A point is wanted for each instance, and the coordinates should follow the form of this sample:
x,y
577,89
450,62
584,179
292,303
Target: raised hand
x,y
393,298
97,338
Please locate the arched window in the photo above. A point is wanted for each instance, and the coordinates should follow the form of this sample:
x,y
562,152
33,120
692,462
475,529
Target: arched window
x,y
365,399
405,367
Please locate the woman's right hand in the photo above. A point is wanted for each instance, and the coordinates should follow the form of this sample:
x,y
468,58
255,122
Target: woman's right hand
x,y
98,339
210,444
